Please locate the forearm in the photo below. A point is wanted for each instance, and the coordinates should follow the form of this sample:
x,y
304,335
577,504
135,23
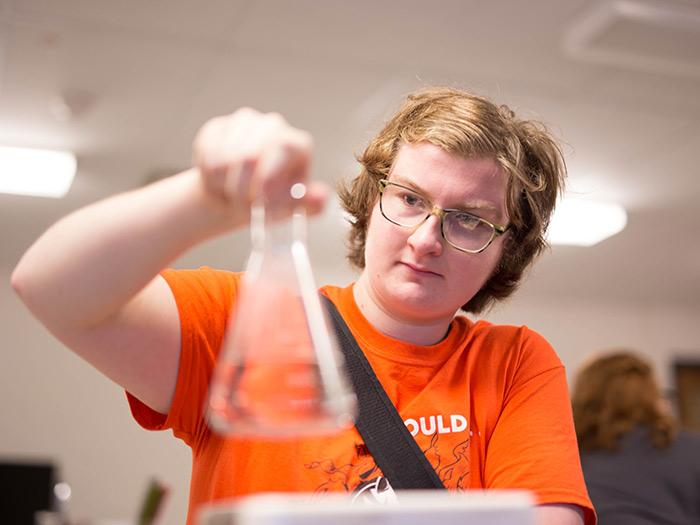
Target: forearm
x,y
91,263
559,514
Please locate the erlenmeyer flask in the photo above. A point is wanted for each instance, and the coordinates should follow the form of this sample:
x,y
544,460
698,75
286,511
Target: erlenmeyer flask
x,y
280,372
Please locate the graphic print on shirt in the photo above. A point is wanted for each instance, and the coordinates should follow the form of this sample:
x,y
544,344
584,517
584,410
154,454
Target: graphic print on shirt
x,y
455,475
432,424
452,468
377,491
338,476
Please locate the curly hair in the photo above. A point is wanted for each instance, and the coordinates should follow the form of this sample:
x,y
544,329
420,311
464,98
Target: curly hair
x,y
469,126
613,394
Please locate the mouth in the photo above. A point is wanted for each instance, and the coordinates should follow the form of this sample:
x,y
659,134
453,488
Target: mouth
x,y
420,270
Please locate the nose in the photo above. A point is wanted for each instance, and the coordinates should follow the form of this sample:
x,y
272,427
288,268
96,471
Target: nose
x,y
427,238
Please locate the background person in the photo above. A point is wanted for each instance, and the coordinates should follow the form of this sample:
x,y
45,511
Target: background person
x,y
639,467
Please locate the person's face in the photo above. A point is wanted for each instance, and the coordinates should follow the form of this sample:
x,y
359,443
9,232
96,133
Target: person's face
x,y
413,274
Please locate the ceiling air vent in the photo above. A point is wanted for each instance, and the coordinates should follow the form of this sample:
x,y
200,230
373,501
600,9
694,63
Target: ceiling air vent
x,y
657,37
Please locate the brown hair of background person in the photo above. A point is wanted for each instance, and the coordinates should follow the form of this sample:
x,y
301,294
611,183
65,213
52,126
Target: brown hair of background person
x,y
612,395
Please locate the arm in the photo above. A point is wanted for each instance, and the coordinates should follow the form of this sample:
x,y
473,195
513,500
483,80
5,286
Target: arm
x,y
92,278
559,514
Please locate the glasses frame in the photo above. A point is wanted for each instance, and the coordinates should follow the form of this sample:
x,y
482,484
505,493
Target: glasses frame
x,y
439,212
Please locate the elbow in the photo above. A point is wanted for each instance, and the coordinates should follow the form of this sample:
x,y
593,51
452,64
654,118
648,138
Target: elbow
x,y
20,281
27,284
23,281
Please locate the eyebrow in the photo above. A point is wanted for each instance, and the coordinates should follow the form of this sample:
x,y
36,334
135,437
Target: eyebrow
x,y
479,205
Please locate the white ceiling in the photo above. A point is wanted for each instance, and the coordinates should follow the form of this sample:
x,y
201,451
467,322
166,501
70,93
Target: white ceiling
x,y
620,84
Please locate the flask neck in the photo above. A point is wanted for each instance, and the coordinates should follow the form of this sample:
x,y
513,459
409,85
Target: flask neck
x,y
273,230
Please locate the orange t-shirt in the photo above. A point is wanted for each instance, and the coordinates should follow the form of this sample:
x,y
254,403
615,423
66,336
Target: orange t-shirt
x,y
489,406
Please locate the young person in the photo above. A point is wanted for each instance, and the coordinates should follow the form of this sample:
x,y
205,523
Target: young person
x,y
448,211
639,466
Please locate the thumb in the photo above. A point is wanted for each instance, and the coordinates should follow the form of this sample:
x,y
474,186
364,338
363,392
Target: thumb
x,y
314,198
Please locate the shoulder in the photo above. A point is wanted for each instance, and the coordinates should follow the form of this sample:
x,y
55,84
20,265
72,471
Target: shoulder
x,y
688,441
501,335
202,275
334,293
518,347
203,289
202,280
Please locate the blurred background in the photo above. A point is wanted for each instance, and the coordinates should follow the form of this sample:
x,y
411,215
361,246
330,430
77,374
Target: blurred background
x,y
126,85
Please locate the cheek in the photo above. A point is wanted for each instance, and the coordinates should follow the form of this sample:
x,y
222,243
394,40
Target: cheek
x,y
496,256
490,263
479,268
380,232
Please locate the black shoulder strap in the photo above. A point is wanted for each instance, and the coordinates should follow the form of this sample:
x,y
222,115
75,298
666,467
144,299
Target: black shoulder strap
x,y
380,425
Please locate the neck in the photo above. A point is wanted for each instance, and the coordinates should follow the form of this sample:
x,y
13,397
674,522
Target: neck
x,y
406,328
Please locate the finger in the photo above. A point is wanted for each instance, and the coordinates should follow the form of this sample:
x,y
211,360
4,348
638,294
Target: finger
x,y
249,135
316,197
224,151
206,155
285,162
238,180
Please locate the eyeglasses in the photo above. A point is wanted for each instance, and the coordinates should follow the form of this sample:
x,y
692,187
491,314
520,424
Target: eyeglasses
x,y
463,231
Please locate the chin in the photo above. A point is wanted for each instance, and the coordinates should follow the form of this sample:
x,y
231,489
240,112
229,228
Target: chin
x,y
421,305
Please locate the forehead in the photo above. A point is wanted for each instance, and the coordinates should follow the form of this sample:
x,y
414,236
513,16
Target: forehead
x,y
459,181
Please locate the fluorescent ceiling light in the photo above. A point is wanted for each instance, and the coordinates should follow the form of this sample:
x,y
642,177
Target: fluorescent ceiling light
x,y
35,172
578,222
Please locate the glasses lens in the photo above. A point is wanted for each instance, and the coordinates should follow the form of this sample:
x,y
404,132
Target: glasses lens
x,y
403,206
461,229
467,231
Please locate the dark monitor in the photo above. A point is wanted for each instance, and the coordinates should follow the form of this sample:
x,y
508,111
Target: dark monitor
x,y
24,489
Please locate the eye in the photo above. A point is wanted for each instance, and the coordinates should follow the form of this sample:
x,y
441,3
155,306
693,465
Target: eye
x,y
466,221
412,200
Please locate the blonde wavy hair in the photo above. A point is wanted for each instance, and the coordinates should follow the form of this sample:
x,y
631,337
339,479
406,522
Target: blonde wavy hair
x,y
615,393
469,126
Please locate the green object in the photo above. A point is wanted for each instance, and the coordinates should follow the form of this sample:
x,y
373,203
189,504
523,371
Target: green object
x,y
152,503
